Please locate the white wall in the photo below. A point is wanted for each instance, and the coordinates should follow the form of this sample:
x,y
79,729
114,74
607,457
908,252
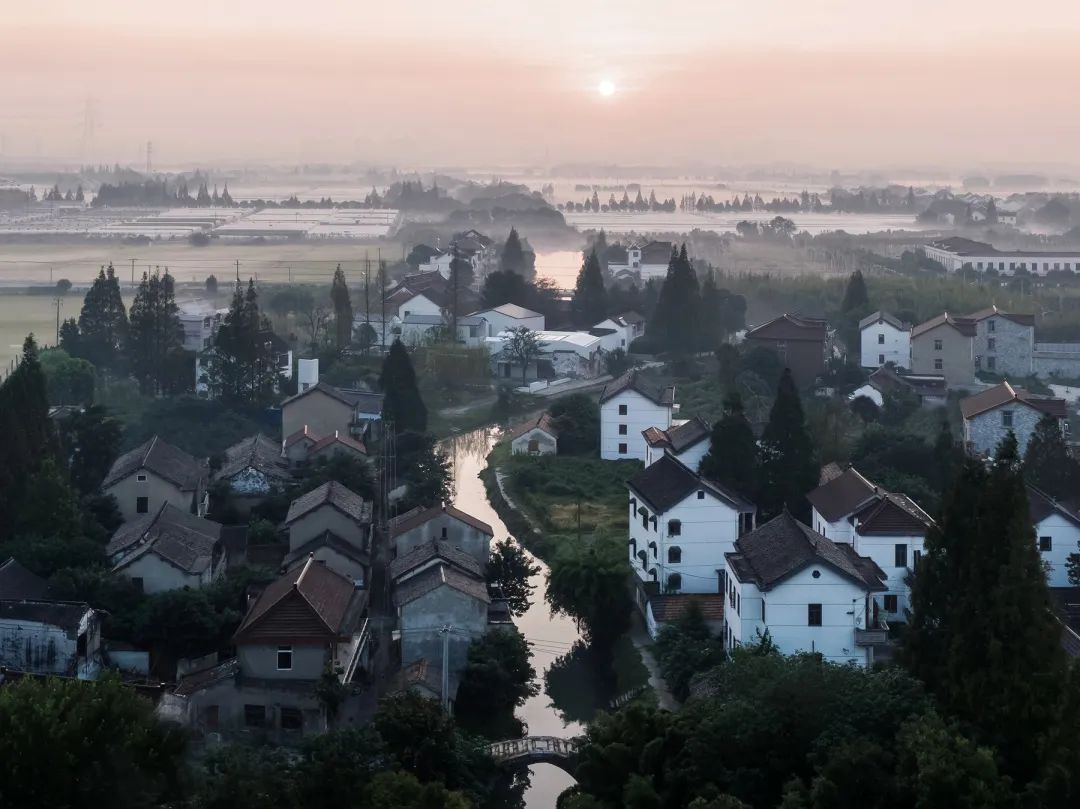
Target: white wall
x,y
159,576
420,305
641,413
497,322
840,531
546,445
1037,264
1064,540
709,528
882,549
882,342
156,490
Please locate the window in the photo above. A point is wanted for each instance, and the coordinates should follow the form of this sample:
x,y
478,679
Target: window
x,y
622,449
916,557
762,610
1006,418
291,719
881,339
900,555
652,547
208,716
633,547
1046,544
534,446
991,325
991,344
444,532
674,528
255,716
813,615
674,582
890,604
644,518
937,345
644,557
141,478
284,658
991,363
142,505
622,429
674,556
881,359
700,494
938,365
622,410
738,604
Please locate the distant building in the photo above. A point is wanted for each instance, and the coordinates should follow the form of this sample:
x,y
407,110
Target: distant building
x,y
646,259
1057,533
563,354
687,441
945,346
171,549
885,339
630,405
154,473
800,342
444,523
537,436
1004,342
325,409
929,389
61,638
332,525
510,316
619,331
992,414
955,253
252,469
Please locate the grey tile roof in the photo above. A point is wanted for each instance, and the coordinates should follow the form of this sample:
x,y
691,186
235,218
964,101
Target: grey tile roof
x,y
333,494
16,582
328,539
418,516
656,392
362,400
668,481
783,546
843,495
884,317
422,554
164,460
257,452
680,437
439,576
63,614
182,539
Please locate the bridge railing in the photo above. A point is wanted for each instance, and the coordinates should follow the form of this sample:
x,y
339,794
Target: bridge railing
x,y
534,746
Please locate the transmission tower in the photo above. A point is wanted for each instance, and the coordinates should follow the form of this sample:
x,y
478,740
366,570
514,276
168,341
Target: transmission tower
x,y
149,157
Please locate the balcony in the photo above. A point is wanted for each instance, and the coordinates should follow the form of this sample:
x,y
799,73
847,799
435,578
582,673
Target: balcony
x,y
873,636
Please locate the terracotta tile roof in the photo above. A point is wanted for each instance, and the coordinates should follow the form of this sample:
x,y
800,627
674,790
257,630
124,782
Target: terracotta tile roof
x,y
303,434
311,603
655,392
672,607
17,583
184,540
438,576
422,554
668,482
337,438
678,438
783,546
541,422
419,516
1004,394
255,452
843,495
963,325
335,495
164,460
791,327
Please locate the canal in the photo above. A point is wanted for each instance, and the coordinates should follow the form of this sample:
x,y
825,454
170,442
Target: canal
x,y
553,637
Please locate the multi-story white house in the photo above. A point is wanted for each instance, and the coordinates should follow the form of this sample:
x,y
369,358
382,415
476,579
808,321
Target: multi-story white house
x,y
645,259
630,405
619,331
811,594
509,316
1057,532
888,528
955,253
995,412
688,441
885,338
681,525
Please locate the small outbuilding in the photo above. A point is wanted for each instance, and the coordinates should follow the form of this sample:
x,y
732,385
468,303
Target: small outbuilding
x,y
537,436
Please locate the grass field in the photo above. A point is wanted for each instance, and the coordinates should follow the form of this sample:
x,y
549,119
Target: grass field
x,y
22,314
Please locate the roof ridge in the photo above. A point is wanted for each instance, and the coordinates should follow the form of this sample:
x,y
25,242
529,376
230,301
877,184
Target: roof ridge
x,y
149,448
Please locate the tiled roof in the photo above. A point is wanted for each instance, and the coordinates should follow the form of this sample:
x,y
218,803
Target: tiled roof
x,y
17,583
311,601
963,325
791,327
655,392
887,380
1004,394
422,554
656,253
164,460
842,495
333,494
365,401
337,438
893,515
672,607
256,452
680,437
632,317
66,615
783,546
668,482
830,471
328,539
883,317
438,576
541,422
303,434
193,683
418,516
616,254
1041,505
514,311
184,540
968,247
991,311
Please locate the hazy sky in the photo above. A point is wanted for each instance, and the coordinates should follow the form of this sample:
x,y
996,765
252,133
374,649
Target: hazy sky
x,y
844,83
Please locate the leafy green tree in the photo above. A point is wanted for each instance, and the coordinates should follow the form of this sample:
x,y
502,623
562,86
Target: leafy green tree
x,y
498,675
982,634
335,767
616,363
577,418
343,311
675,323
417,732
788,466
402,404
764,363
1048,465
103,323
84,744
509,570
69,380
49,508
589,302
241,776
211,285
427,470
732,459
687,647
522,348
400,790
155,334
588,583
856,298
727,365
241,366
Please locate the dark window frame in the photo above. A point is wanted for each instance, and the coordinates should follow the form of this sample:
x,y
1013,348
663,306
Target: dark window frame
x,y
813,615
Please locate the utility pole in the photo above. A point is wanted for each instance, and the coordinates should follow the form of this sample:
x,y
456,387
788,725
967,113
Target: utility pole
x,y
382,296
133,272
367,302
58,320
238,271
445,632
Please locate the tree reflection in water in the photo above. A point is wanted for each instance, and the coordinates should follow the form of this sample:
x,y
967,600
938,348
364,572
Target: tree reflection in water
x,y
580,683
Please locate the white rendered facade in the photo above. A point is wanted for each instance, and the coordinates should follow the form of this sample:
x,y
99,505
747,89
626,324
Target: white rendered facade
x,y
622,419
883,342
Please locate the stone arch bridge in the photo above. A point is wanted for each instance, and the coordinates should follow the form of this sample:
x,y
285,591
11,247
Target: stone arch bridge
x,y
537,750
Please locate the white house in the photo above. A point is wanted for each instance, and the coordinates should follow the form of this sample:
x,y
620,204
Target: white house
x,y
510,316
885,338
440,263
995,412
681,525
630,405
688,441
887,527
420,329
955,253
537,436
811,594
646,259
570,354
619,331
253,468
1057,532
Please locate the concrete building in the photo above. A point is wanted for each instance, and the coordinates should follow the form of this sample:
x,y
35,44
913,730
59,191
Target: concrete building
x,y
332,525
563,355
884,338
800,342
325,409
252,469
644,259
945,346
420,329
955,253
170,549
1057,533
61,638
537,436
510,316
630,405
154,473
992,414
811,594
444,523
619,331
688,441
1004,342
681,525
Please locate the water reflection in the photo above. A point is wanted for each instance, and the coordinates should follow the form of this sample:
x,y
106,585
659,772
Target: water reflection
x,y
580,683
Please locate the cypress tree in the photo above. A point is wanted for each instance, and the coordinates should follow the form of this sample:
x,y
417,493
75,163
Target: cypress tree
x,y
103,323
732,459
856,298
242,365
402,403
983,636
1047,463
343,313
589,304
712,319
788,466
155,335
513,256
675,320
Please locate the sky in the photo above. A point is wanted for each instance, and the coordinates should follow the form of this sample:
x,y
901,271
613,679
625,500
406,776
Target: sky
x,y
828,83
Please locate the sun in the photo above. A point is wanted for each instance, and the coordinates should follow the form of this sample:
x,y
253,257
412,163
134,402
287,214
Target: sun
x,y
606,88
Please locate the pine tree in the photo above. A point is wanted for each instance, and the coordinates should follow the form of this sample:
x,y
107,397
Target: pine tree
x,y
242,367
856,298
788,466
343,312
155,335
589,304
732,459
1047,463
712,318
982,635
103,323
674,324
402,403
513,256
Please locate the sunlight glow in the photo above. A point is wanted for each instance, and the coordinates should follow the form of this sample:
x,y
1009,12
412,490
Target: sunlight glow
x,y
606,88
